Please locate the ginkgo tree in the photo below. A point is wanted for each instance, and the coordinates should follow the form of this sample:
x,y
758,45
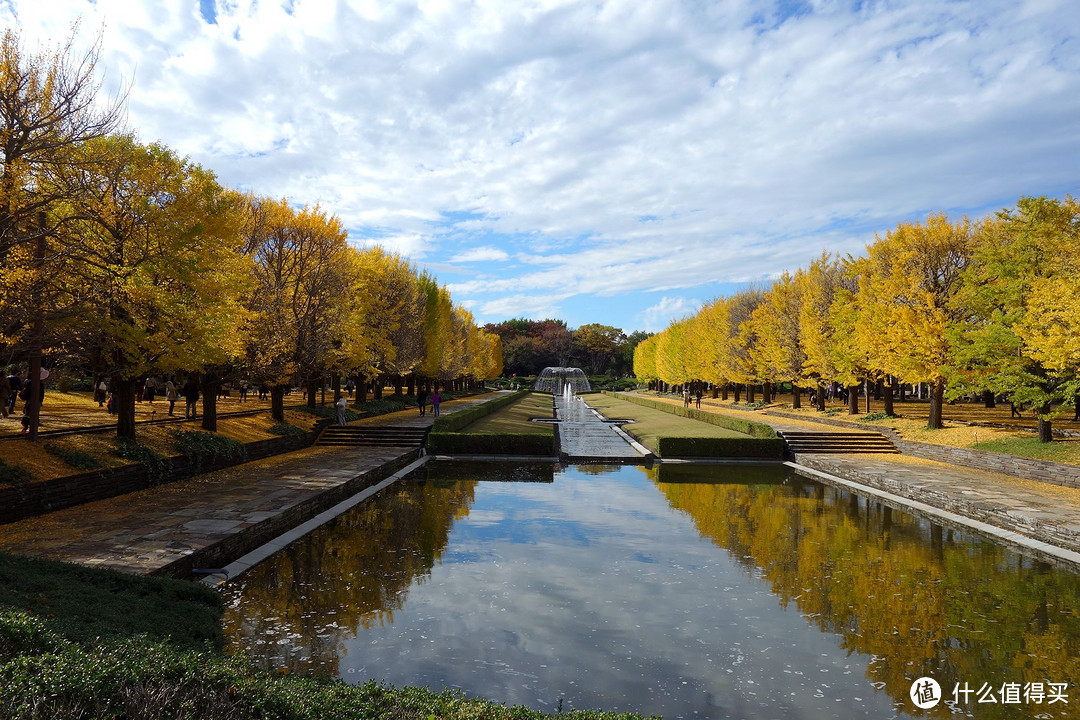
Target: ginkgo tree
x,y
155,263
1020,292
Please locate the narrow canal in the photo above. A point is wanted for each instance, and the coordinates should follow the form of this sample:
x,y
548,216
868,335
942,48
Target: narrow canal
x,y
686,591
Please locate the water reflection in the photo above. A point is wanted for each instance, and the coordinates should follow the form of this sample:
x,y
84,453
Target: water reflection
x,y
917,599
706,591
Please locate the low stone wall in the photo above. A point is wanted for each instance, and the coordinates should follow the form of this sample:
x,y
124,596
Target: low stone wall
x,y
1048,472
243,542
1054,534
17,503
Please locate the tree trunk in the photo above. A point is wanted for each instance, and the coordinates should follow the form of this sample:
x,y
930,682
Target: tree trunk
x,y
410,389
749,393
277,403
335,383
312,389
361,389
866,387
715,392
853,399
937,395
796,397
988,399
903,392
210,385
737,386
398,384
821,397
124,406
767,392
724,392
1046,433
377,387
888,392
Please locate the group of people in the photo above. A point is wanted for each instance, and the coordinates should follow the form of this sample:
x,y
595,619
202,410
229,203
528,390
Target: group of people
x,y
12,389
687,397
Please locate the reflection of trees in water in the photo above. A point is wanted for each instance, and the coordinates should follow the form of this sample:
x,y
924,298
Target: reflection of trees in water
x,y
898,588
294,610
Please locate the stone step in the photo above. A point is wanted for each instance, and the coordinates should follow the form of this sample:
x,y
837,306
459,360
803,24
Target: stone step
x,y
373,436
837,442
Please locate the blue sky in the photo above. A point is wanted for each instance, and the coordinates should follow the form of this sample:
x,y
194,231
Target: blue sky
x,y
613,162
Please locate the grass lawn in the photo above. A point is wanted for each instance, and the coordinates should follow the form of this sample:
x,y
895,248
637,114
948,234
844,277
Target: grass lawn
x,y
649,424
515,418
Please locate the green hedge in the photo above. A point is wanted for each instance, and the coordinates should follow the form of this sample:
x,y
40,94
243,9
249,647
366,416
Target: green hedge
x,y
764,448
747,427
454,422
451,443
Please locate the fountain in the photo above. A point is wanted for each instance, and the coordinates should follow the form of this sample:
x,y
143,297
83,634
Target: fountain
x,y
557,380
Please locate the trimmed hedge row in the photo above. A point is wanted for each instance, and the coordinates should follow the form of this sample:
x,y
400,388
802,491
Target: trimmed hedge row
x,y
491,444
765,448
456,421
747,427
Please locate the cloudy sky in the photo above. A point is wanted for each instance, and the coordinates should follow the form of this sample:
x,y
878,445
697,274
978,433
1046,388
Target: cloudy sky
x,y
615,162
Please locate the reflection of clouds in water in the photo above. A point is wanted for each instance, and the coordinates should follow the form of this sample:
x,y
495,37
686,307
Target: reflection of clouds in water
x,y
600,594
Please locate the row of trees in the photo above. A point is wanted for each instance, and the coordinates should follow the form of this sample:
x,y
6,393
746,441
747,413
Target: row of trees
x,y
531,345
129,260
990,307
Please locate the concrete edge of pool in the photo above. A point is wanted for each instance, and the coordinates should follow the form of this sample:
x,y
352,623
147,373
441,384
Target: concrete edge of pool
x,y
1017,541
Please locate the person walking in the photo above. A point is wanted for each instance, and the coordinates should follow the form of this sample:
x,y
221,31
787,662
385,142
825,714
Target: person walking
x,y
149,388
191,396
171,394
436,398
102,392
5,396
14,387
421,400
340,405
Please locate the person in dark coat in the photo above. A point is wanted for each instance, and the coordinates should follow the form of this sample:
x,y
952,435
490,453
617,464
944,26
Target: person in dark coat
x,y
191,396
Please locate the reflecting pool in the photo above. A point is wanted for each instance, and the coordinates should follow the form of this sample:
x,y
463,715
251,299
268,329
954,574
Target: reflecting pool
x,y
686,591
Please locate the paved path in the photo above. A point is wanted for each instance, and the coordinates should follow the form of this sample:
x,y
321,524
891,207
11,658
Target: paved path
x,y
584,436
147,531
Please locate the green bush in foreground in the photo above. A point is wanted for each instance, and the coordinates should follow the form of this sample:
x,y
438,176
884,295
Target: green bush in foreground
x,y
45,676
84,604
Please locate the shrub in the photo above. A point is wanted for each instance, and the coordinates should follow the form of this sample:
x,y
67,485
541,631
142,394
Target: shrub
x,y
14,474
74,458
491,444
157,467
874,417
198,446
286,430
765,448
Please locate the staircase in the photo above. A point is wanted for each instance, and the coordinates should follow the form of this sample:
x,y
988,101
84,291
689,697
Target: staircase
x,y
837,442
373,436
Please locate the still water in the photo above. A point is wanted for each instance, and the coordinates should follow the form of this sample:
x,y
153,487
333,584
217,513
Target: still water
x,y
685,591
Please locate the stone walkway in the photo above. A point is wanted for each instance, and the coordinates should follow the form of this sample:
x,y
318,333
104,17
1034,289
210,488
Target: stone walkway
x,y
585,437
165,529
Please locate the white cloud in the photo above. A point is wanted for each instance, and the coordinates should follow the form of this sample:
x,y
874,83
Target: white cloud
x,y
615,148
481,254
660,315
